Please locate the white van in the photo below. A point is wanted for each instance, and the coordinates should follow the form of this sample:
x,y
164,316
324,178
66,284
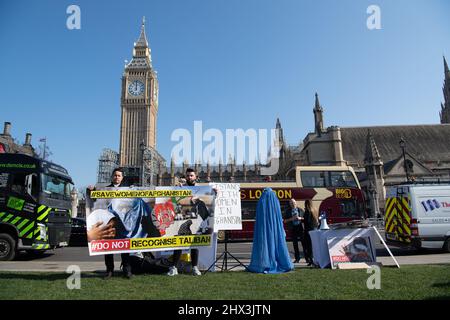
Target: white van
x,y
418,215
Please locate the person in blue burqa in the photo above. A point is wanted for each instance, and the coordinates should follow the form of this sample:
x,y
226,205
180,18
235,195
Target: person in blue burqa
x,y
269,253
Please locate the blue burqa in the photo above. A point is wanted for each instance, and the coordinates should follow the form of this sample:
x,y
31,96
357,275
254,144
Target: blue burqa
x,y
269,253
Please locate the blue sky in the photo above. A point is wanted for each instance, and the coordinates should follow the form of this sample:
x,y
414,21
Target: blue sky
x,y
232,64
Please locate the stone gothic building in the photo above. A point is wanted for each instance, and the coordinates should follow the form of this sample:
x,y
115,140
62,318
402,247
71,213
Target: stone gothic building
x,y
376,153
384,155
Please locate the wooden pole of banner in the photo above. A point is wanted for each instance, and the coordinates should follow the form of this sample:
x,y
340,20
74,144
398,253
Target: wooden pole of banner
x,y
224,255
385,245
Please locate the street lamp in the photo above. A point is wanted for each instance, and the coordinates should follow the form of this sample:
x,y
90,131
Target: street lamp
x,y
405,167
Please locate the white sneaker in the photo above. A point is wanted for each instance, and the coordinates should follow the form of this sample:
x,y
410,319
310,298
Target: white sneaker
x,y
196,272
173,271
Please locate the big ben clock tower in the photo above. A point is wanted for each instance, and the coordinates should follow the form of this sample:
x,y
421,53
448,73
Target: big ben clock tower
x,y
139,105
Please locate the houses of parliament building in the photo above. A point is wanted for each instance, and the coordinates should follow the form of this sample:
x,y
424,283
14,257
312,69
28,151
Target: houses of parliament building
x,y
380,155
374,152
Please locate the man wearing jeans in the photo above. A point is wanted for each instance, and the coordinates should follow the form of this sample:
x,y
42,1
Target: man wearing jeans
x,y
191,178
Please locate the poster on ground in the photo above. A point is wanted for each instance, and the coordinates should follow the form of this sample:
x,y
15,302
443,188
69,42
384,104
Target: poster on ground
x,y
349,250
141,219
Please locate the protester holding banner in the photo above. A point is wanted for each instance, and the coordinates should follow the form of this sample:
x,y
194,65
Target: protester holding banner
x,y
293,218
135,220
116,181
311,222
191,178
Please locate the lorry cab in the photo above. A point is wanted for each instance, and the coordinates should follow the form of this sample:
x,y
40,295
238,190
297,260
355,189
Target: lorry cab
x,y
418,215
35,205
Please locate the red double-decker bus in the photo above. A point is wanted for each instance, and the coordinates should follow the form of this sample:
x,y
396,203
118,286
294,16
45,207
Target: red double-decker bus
x,y
334,190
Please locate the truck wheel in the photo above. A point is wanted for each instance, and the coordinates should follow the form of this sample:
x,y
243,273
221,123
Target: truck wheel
x,y
7,247
446,246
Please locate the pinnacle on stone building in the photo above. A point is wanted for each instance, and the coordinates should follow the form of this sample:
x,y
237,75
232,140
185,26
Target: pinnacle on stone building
x,y
445,107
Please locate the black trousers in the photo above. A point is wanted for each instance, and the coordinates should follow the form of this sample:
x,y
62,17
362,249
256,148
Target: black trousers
x,y
297,235
308,247
109,262
146,265
194,257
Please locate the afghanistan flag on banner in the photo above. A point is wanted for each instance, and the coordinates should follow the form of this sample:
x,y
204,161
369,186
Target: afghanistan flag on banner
x,y
164,213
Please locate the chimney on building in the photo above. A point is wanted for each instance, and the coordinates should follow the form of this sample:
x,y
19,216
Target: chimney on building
x,y
27,139
7,129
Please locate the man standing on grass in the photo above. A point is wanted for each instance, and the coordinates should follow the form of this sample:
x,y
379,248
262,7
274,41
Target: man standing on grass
x,y
116,181
191,178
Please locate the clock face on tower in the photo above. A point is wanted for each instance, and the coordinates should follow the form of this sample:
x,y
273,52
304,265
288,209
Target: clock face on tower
x,y
136,88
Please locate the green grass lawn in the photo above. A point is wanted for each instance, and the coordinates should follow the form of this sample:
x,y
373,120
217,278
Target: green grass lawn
x,y
409,282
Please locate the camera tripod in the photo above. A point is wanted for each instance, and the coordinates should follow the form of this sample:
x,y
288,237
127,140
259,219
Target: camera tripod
x,y
224,256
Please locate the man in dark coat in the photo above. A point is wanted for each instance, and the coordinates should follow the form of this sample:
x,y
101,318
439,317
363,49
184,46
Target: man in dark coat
x,y
191,178
293,218
116,181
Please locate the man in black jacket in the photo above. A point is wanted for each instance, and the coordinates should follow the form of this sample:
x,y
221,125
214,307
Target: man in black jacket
x,y
191,178
117,181
294,218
